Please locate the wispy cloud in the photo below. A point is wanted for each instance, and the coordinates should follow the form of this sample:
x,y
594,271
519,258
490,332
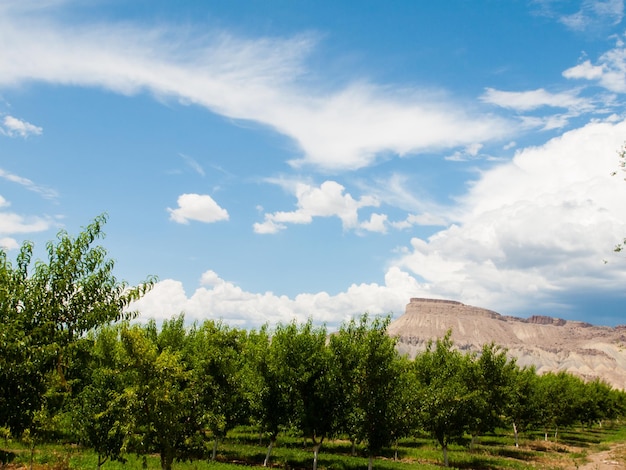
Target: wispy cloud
x,y
594,14
44,191
591,15
192,163
14,127
534,99
264,80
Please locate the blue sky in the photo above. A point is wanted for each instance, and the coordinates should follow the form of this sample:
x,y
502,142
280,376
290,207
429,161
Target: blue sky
x,y
278,160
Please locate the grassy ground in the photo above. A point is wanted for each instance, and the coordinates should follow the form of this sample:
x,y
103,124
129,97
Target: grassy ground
x,y
242,448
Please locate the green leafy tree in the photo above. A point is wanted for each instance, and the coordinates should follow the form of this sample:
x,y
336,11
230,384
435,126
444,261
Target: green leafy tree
x,y
160,397
522,405
446,398
99,411
372,367
490,376
215,354
46,307
306,363
345,347
404,409
25,356
271,394
559,401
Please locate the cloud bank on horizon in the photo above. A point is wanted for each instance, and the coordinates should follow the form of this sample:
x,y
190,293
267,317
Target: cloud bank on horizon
x,y
519,228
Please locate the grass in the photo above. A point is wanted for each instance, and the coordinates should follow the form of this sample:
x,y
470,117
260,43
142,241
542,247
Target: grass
x,y
242,449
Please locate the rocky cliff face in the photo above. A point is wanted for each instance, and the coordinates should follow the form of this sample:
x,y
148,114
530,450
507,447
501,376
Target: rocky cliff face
x,y
551,344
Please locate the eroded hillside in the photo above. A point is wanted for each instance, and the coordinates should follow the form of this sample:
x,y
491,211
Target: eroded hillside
x,y
550,344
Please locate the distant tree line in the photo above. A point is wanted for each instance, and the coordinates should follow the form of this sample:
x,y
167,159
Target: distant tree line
x,y
72,364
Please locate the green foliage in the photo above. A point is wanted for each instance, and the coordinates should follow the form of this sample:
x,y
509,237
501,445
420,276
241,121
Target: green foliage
x,y
447,398
45,309
172,389
99,411
159,396
215,354
491,375
521,408
372,376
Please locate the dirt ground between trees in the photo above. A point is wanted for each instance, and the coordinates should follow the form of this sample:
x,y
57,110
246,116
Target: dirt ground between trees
x,y
612,459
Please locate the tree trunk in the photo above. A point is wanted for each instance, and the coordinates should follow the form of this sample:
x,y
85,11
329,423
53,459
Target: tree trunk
x,y
353,451
516,434
269,451
445,455
316,451
101,460
167,457
214,453
473,441
370,463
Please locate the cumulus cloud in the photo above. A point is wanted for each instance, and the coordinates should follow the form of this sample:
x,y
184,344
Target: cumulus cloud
x,y
199,207
609,71
377,223
14,127
219,299
259,80
531,228
327,200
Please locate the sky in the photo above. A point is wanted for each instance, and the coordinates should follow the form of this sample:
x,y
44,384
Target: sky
x,y
279,160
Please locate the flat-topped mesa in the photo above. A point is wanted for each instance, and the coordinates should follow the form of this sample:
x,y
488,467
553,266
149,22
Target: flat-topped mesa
x,y
419,305
434,301
547,343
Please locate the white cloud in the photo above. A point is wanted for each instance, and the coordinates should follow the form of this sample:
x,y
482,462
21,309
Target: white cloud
x,y
585,70
377,223
259,80
470,152
16,127
220,299
327,200
534,99
7,243
595,13
44,191
609,72
538,225
199,207
192,163
420,219
11,223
